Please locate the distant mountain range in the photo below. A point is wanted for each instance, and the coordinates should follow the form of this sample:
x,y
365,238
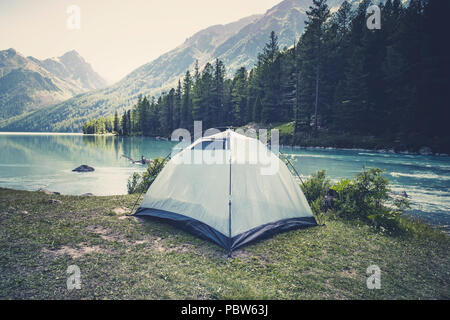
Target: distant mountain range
x,y
74,69
27,83
237,44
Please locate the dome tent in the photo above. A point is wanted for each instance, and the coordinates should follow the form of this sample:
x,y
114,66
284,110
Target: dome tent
x,y
230,189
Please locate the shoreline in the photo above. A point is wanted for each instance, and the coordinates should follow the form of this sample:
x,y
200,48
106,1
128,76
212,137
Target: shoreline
x,y
159,138
381,151
437,225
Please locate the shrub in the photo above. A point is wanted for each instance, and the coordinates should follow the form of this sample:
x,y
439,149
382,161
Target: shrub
x,y
367,198
133,183
139,183
316,187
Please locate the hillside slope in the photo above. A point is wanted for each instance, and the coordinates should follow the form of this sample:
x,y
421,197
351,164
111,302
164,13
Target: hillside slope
x,y
74,69
27,84
237,44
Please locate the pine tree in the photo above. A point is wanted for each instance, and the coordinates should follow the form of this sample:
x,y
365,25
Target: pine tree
x,y
116,123
217,108
317,15
270,71
239,98
129,123
124,130
168,105
186,105
177,107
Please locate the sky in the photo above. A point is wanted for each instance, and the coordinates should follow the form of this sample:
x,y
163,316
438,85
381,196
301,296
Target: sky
x,y
115,36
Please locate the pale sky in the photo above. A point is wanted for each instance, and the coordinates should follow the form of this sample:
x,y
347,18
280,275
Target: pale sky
x,y
116,36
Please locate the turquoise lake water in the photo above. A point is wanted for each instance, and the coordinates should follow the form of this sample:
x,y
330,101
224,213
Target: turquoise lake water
x,y
33,161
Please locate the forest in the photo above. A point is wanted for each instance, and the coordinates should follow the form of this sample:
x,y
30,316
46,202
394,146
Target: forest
x,y
340,84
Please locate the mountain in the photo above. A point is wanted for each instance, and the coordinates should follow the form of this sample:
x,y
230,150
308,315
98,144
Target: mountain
x,y
237,44
74,69
27,84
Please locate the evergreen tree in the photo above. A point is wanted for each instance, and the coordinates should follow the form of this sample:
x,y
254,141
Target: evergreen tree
x,y
317,15
239,98
129,123
168,105
125,127
186,105
270,67
217,108
177,107
116,123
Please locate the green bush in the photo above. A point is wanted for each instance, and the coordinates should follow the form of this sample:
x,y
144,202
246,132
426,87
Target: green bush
x,y
139,183
366,197
316,187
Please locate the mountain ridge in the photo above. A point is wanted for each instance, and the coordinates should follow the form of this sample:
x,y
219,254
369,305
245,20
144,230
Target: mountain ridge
x,y
28,84
237,44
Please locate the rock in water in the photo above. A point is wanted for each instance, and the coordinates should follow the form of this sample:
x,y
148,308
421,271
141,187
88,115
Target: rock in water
x,y
83,168
426,151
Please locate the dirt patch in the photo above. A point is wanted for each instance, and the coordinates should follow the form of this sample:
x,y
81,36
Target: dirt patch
x,y
121,211
74,253
128,217
141,242
241,254
109,235
161,247
106,234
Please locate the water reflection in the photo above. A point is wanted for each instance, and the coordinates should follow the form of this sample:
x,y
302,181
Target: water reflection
x,y
45,161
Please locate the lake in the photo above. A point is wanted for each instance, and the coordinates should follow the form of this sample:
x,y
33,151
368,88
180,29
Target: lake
x,y
33,161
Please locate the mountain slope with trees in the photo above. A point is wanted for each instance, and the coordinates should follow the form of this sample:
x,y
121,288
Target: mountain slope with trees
x,y
236,44
340,80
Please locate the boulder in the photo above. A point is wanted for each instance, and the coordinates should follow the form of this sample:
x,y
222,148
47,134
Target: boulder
x,y
87,195
83,168
48,192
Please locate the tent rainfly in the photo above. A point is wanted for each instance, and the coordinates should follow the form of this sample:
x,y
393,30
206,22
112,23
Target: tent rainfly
x,y
217,188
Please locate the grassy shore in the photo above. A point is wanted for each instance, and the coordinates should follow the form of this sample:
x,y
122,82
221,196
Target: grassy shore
x,y
124,257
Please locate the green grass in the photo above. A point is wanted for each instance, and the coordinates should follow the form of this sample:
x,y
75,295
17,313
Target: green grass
x,y
128,258
285,129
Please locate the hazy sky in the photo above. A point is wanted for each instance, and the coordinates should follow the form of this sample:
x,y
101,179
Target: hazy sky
x,y
116,36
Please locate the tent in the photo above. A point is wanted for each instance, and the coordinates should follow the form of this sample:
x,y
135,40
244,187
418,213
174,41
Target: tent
x,y
230,189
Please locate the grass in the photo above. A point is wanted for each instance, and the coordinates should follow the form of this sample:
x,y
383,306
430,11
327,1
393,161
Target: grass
x,y
124,257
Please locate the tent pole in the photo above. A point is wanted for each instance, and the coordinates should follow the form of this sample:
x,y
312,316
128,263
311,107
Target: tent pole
x,y
295,170
229,199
